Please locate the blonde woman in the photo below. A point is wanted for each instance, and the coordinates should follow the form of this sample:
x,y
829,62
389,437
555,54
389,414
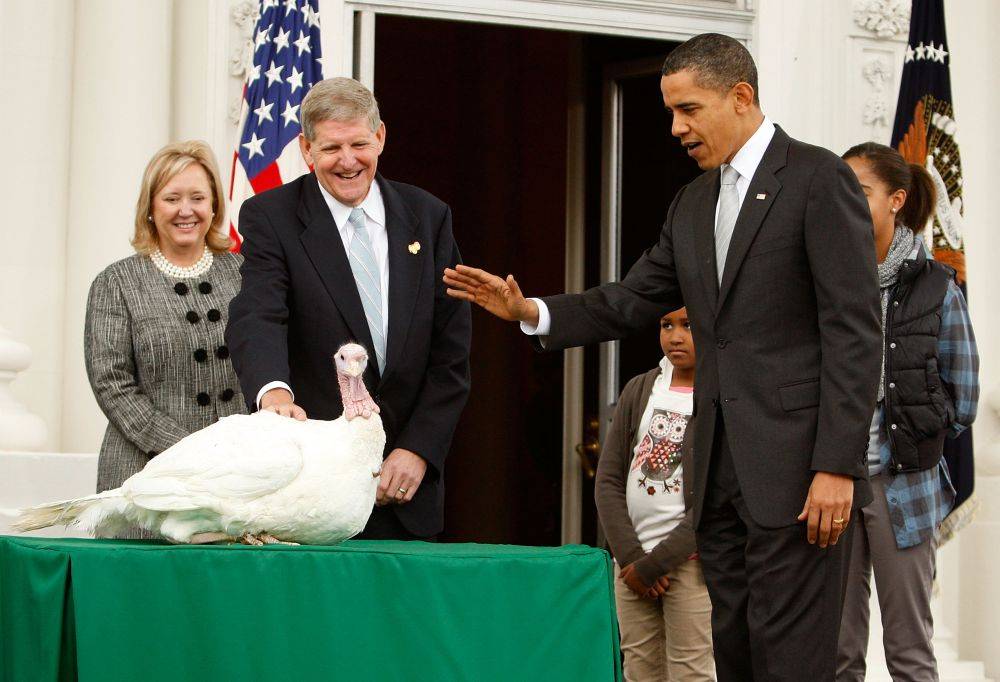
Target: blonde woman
x,y
153,338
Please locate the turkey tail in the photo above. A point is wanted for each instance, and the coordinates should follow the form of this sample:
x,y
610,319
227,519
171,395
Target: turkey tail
x,y
64,512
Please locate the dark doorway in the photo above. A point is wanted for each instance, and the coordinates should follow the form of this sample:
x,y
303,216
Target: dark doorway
x,y
477,115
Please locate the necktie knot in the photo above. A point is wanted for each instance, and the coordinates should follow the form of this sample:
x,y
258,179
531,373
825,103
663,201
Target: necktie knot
x,y
357,218
729,175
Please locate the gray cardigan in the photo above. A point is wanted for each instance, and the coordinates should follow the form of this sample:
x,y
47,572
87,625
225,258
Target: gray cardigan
x,y
156,358
609,489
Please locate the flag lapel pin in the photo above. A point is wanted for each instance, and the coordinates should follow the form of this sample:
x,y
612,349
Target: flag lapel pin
x,y
762,196
414,248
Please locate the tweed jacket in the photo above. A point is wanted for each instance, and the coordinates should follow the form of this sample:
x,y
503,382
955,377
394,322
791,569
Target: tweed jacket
x,y
156,359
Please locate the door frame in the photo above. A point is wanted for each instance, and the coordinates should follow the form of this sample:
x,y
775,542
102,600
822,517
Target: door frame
x,y
611,227
348,44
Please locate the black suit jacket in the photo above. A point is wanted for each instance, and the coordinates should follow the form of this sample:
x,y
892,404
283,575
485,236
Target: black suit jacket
x,y
299,303
788,348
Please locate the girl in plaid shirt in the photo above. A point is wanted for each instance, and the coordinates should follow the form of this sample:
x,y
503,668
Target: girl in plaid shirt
x,y
928,391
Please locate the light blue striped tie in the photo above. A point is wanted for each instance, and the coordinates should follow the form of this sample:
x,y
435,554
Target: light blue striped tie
x,y
369,281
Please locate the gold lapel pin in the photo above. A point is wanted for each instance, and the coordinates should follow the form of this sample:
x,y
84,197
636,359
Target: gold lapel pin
x,y
414,248
762,196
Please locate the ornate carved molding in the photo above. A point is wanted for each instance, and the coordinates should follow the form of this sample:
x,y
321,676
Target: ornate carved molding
x,y
244,15
884,18
876,113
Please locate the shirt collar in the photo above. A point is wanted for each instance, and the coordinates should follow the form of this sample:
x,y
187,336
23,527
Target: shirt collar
x,y
752,152
666,369
373,206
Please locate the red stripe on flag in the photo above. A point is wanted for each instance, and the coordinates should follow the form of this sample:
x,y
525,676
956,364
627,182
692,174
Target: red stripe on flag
x,y
269,178
232,174
235,236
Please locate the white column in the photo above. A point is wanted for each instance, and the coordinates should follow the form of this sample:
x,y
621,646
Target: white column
x,y
120,117
36,41
337,38
798,49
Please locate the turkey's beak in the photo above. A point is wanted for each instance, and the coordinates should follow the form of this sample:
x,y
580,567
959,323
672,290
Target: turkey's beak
x,y
356,368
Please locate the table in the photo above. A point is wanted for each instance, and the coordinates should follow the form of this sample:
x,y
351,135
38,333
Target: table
x,y
363,610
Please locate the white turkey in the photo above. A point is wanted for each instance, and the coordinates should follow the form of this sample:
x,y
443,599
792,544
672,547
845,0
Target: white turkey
x,y
259,479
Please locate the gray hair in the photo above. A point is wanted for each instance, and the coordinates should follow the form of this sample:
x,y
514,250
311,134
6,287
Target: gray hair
x,y
338,99
717,61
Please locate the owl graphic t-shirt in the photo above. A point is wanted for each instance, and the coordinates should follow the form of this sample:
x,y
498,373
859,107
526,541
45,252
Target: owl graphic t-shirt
x,y
655,493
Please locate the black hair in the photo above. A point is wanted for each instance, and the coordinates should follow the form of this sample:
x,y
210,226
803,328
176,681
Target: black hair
x,y
718,62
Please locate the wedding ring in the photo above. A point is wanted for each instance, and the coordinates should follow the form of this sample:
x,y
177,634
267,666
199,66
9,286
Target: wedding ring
x,y
402,491
839,522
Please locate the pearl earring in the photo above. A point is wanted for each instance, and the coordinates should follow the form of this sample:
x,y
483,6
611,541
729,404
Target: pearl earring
x,y
150,218
893,210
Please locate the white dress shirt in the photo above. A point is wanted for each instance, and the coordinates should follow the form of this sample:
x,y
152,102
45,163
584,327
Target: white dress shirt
x,y
745,162
374,208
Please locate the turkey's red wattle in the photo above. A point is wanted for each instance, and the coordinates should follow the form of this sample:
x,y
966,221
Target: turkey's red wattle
x,y
357,401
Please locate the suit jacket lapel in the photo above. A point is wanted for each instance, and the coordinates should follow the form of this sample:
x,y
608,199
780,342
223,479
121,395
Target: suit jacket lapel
x,y
405,269
704,235
325,249
761,193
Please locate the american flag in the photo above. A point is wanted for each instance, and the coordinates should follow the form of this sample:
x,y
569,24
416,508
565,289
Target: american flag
x,y
286,63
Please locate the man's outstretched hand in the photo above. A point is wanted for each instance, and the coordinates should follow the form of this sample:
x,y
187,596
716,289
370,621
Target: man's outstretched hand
x,y
501,297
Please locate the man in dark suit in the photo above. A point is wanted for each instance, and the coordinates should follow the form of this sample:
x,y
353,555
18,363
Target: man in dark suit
x,y
771,250
340,255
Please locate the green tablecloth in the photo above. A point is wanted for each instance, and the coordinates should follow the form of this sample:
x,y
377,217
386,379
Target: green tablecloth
x,y
364,610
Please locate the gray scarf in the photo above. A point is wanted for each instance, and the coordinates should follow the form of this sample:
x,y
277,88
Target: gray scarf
x,y
902,245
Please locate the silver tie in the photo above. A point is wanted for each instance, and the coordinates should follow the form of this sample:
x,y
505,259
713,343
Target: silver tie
x,y
729,209
369,281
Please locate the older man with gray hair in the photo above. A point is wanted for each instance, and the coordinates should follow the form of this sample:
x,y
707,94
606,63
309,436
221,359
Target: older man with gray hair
x,y
343,254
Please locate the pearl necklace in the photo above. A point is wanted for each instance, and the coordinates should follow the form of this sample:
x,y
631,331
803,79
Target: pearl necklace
x,y
170,270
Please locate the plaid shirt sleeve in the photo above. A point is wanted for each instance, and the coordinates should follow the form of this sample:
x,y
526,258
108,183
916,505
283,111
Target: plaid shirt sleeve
x,y
958,358
918,501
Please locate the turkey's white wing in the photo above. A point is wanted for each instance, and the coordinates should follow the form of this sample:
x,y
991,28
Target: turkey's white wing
x,y
238,458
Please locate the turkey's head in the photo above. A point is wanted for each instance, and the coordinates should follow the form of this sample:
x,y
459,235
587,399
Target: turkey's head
x,y
351,360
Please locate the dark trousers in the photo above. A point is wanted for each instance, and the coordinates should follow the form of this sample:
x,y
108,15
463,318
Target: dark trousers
x,y
385,525
776,599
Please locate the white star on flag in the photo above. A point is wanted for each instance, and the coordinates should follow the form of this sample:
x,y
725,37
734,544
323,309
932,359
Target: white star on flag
x,y
291,113
255,145
281,40
920,49
261,38
268,4
909,54
290,6
253,74
263,112
310,16
295,80
941,53
273,74
302,44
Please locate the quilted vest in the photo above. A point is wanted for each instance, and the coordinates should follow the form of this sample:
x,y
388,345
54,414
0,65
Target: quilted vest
x,y
918,413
